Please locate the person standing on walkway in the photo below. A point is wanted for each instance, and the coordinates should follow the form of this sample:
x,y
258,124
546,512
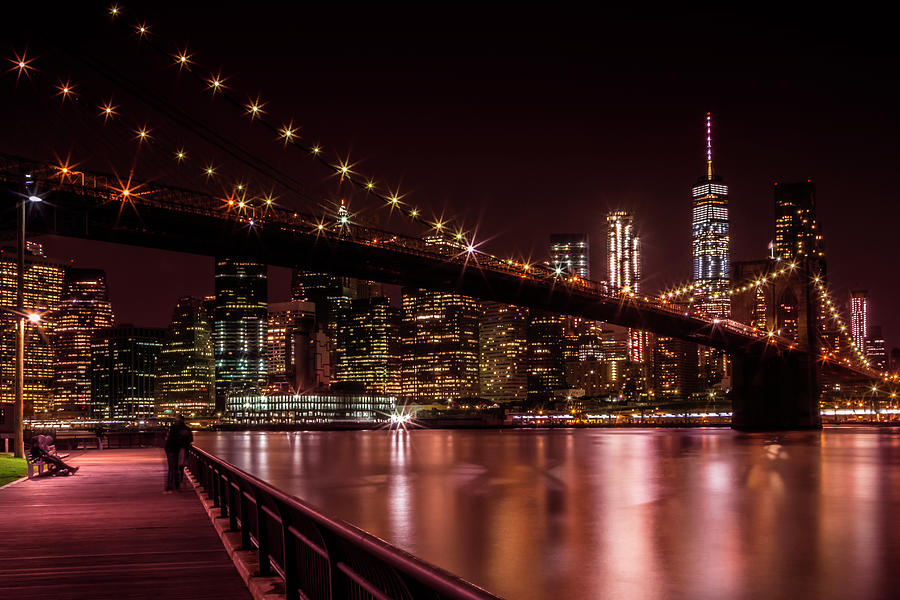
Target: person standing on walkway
x,y
178,440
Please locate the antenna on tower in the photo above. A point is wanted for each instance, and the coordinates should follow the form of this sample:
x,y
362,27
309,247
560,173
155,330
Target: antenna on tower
x,y
708,146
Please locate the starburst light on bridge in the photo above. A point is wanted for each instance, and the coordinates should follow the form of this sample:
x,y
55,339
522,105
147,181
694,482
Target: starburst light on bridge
x,y
66,89
182,59
22,65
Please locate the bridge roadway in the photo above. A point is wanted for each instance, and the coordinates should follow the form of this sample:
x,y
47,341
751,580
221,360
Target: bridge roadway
x,y
93,206
110,532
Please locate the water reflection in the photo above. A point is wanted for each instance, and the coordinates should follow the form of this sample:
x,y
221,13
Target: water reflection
x,y
611,513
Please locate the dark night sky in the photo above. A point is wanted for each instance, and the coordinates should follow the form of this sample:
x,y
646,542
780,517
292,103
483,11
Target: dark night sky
x,y
523,124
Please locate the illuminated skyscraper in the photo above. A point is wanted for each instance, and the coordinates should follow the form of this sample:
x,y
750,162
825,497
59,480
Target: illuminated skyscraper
x,y
859,318
239,330
876,349
623,252
186,373
367,347
711,240
123,371
43,290
546,354
439,346
571,252
285,321
503,346
797,233
84,310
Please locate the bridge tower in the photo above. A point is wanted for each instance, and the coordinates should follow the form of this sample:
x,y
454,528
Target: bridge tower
x,y
776,389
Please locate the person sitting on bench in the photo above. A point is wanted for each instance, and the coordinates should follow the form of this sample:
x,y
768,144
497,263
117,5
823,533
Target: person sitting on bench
x,y
40,450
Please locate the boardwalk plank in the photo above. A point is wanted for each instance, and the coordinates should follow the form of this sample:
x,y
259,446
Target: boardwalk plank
x,y
109,532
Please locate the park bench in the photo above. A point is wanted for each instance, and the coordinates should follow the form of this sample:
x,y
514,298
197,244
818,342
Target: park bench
x,y
38,464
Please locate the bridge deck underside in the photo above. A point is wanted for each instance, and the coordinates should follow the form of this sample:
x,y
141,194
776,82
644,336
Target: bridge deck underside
x,y
73,215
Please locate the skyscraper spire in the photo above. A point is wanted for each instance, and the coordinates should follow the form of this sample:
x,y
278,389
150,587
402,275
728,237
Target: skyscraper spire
x,y
709,146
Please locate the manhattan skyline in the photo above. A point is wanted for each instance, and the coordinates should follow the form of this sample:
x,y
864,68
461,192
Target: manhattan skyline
x,y
526,143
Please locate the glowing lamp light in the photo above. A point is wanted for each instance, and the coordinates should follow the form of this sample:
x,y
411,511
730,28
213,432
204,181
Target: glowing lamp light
x,y
470,248
34,317
251,222
35,198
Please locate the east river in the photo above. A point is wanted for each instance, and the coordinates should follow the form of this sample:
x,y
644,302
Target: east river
x,y
611,513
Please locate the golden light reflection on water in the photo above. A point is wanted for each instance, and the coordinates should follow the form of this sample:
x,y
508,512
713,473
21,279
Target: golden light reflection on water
x,y
611,513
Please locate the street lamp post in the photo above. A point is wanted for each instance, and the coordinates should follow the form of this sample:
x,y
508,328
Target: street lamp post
x,y
19,410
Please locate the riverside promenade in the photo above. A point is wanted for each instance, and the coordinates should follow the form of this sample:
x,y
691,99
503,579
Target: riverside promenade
x,y
110,532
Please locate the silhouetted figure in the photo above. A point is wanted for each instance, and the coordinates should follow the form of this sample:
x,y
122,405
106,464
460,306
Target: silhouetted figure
x,y
100,432
177,442
40,449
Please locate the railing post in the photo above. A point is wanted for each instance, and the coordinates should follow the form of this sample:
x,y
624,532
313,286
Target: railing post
x,y
262,537
223,495
245,526
215,486
289,552
232,514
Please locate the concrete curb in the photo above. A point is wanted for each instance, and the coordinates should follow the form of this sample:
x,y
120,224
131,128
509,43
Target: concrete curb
x,y
245,561
14,482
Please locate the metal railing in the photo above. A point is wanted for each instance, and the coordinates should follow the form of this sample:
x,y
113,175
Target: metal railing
x,y
318,557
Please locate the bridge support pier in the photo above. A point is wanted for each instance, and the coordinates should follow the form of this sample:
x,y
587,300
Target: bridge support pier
x,y
774,391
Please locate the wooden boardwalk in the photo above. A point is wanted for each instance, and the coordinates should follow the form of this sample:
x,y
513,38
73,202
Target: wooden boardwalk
x,y
110,532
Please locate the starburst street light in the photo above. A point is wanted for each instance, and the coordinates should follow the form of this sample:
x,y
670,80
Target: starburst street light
x,y
142,29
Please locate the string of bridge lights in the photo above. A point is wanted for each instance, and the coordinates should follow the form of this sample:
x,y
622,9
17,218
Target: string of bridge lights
x,y
829,306
66,90
288,133
254,109
239,197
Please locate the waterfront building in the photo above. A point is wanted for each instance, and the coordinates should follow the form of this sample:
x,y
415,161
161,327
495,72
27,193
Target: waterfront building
x,y
623,252
367,347
859,318
320,407
84,309
239,328
285,323
439,346
876,350
503,352
546,360
124,370
675,369
186,373
43,287
710,237
571,253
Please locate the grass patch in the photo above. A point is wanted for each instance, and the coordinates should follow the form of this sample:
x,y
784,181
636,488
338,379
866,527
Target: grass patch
x,y
11,468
